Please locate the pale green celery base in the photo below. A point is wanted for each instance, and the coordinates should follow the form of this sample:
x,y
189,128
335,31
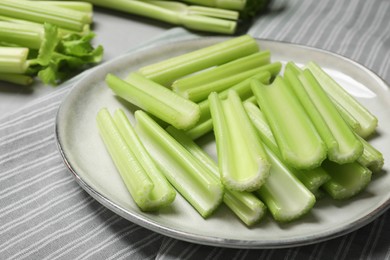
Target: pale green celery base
x,y
347,180
190,178
18,79
285,196
371,157
245,205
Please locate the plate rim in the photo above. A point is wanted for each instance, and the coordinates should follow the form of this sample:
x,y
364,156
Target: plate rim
x,y
213,240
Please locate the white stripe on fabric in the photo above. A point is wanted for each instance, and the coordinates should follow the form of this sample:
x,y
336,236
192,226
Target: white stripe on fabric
x,y
214,253
350,239
167,244
376,237
152,237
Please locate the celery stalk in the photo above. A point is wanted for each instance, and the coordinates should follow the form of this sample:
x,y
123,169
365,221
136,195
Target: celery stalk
x,y
200,93
147,186
31,11
299,143
156,99
347,179
167,71
243,89
244,204
227,4
13,60
285,196
18,79
371,157
221,72
25,35
72,5
368,122
313,179
349,148
190,178
243,163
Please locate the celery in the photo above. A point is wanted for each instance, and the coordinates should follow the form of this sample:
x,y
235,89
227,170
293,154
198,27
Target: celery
x,y
242,160
169,70
348,147
179,15
371,157
285,196
26,35
200,93
243,89
148,187
290,125
80,6
346,180
39,12
156,99
221,72
313,179
13,60
18,79
244,204
190,178
368,122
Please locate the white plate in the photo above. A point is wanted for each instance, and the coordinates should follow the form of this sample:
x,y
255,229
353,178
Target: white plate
x,y
86,157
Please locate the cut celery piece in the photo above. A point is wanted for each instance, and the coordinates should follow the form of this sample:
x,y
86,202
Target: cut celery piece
x,y
313,179
231,68
169,70
24,35
244,204
243,89
285,196
201,93
155,99
72,5
368,122
371,157
18,79
349,148
299,143
243,163
348,118
13,60
190,178
347,180
148,187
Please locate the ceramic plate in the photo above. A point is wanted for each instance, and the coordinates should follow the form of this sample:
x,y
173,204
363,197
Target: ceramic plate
x,y
85,155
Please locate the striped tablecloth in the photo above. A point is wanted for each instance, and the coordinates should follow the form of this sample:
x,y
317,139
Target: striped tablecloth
x,y
44,214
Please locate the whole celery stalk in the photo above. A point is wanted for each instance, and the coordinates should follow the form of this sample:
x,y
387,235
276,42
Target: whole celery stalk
x,y
146,184
243,163
290,125
156,99
244,204
169,70
191,179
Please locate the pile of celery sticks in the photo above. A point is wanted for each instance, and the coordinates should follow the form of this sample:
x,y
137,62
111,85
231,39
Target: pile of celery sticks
x,y
283,140
50,40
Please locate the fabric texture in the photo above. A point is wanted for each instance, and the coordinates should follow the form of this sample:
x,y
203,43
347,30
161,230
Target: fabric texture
x,y
45,214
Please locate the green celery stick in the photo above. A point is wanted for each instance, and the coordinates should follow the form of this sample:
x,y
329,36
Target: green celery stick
x,y
244,204
24,35
169,70
231,68
371,157
347,179
351,121
349,148
18,79
156,99
285,196
243,89
243,163
190,178
146,184
313,179
72,5
299,143
368,122
41,13
201,93
13,60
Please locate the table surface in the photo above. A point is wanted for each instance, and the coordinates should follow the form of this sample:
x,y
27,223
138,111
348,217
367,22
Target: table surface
x,y
129,31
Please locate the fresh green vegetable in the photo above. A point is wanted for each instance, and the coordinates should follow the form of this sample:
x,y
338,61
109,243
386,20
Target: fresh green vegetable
x,y
191,178
313,179
223,71
18,79
371,157
146,184
156,99
13,60
80,6
289,129
243,163
244,204
175,13
285,196
348,148
346,180
169,70
243,89
367,121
